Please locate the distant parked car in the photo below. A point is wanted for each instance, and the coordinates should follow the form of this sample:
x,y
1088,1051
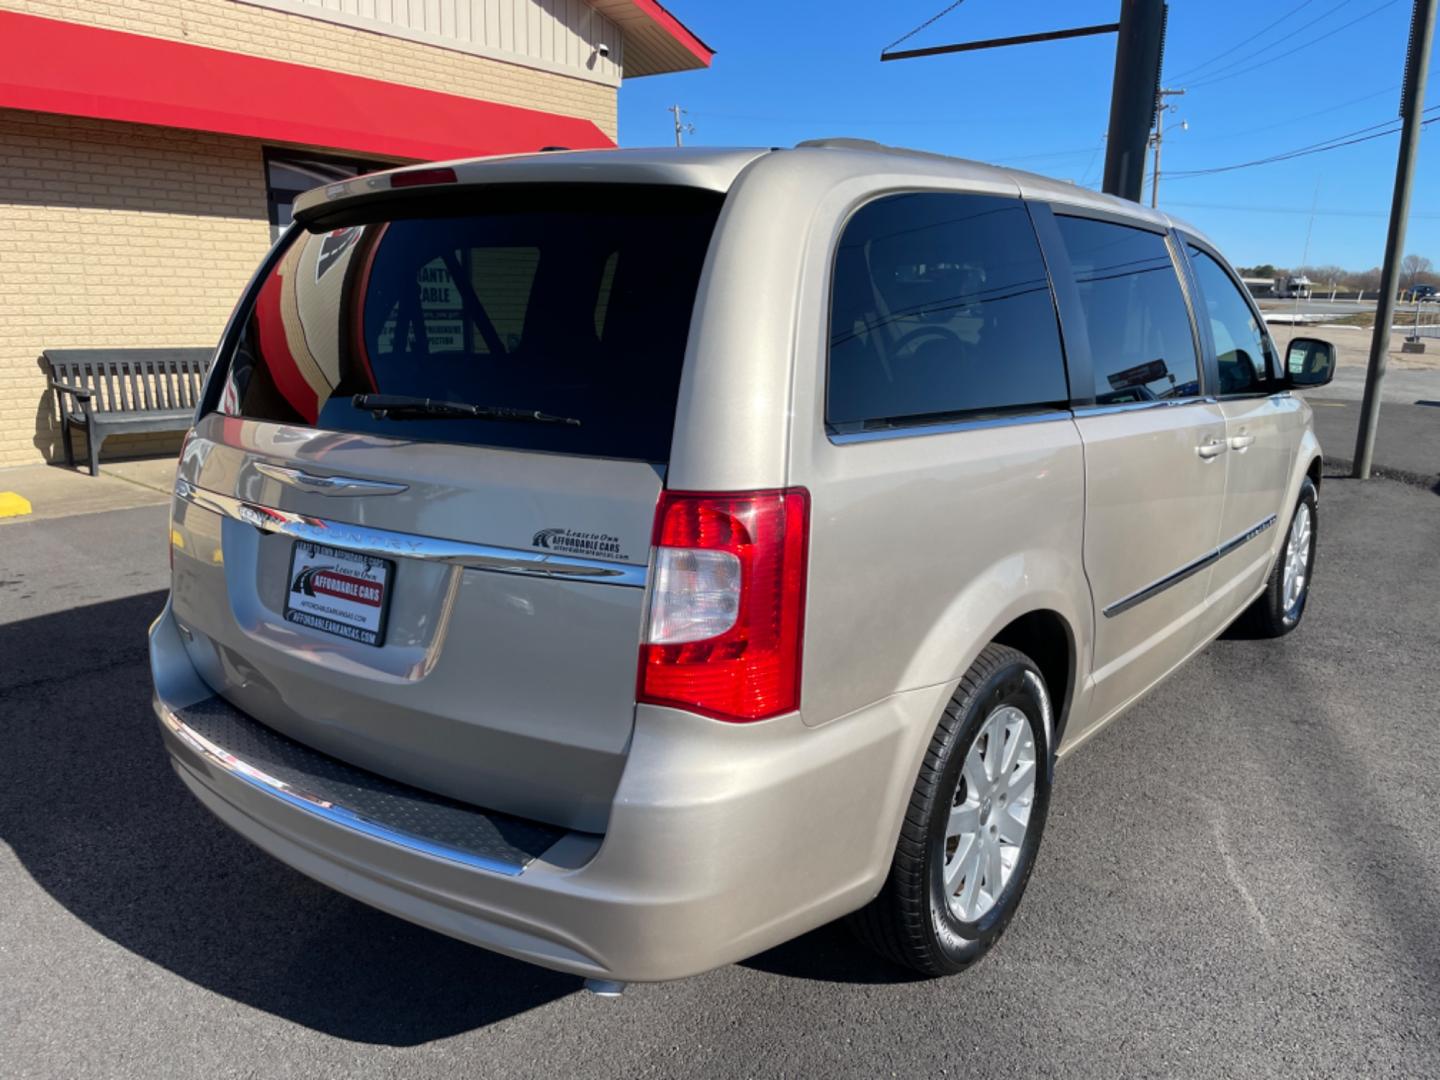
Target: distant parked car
x,y
1425,293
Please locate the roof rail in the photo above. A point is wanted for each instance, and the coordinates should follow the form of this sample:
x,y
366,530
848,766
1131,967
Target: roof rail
x,y
841,142
877,148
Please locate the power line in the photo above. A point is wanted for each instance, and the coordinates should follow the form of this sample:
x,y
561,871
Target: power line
x,y
1322,144
928,22
1300,210
1217,76
1085,176
1190,174
1263,49
1239,44
1290,120
1305,151
1081,151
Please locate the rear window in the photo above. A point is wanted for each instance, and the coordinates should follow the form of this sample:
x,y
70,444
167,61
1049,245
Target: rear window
x,y
569,300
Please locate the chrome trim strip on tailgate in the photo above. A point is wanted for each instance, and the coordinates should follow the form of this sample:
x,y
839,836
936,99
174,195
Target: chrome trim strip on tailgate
x,y
397,545
314,804
1188,570
326,485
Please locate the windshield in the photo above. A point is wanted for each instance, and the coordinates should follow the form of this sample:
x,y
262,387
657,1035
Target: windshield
x,y
569,300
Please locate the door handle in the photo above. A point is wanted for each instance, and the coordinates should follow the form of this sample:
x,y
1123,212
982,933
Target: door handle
x,y
1240,442
1211,449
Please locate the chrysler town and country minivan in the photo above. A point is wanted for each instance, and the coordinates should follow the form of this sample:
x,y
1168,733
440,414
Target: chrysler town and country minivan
x,y
630,560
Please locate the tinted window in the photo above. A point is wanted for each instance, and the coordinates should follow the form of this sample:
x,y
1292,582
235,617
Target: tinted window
x,y
1141,344
572,301
1241,348
941,305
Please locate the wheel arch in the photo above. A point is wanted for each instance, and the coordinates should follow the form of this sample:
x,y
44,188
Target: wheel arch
x,y
1046,637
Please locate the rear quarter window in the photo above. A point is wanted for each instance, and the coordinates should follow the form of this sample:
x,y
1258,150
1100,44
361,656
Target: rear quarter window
x,y
570,300
940,307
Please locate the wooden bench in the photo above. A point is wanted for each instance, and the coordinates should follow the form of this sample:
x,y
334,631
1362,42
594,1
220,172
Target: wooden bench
x,y
114,391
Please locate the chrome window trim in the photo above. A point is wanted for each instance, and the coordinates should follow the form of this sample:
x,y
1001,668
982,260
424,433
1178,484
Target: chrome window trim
x,y
1048,416
387,544
1212,556
1138,406
306,802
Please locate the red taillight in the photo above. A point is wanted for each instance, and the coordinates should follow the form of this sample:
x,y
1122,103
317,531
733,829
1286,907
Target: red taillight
x,y
750,668
420,177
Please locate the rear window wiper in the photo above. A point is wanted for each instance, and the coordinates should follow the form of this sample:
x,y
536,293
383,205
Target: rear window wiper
x,y
403,407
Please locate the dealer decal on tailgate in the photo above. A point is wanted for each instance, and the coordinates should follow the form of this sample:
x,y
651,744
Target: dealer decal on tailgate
x,y
340,592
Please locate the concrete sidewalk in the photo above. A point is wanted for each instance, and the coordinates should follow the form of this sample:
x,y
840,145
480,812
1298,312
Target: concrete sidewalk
x,y
1410,377
52,491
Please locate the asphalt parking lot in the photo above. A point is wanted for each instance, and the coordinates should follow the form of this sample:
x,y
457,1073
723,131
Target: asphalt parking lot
x,y
1240,878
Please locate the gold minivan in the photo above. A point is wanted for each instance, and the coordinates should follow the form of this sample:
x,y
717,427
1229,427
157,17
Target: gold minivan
x,y
629,560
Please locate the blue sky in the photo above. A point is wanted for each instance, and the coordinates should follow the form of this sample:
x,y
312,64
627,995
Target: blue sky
x,y
787,70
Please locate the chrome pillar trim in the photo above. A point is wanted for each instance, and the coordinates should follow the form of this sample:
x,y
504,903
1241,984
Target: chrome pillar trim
x,y
1188,570
326,485
312,804
1141,406
386,544
1048,416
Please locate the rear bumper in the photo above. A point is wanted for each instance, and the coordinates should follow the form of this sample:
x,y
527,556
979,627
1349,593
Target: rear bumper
x,y
724,840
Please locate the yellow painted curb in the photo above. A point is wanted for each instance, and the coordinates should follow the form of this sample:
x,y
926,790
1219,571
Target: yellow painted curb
x,y
13,505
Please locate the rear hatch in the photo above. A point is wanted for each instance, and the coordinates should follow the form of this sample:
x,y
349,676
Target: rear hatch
x,y
412,528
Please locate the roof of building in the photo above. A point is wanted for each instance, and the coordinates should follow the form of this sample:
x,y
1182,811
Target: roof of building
x,y
655,40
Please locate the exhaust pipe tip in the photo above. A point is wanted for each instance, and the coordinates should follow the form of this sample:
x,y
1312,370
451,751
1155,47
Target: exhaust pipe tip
x,y
605,988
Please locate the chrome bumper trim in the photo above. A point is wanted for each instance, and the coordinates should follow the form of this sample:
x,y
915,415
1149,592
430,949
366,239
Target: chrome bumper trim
x,y
316,806
397,545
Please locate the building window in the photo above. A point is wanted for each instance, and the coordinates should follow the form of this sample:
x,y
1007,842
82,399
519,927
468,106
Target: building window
x,y
289,174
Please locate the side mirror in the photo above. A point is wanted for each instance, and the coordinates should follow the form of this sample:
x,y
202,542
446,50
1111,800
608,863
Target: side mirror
x,y
1309,362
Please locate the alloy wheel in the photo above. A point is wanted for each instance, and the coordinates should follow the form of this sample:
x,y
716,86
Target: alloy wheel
x,y
990,813
1297,560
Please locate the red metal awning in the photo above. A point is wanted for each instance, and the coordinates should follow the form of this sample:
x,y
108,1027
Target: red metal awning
x,y
59,67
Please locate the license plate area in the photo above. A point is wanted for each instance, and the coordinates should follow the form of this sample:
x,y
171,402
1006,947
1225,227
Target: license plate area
x,y
339,592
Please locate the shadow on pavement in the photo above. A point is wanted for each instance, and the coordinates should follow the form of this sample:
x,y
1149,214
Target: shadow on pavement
x,y
93,812
830,954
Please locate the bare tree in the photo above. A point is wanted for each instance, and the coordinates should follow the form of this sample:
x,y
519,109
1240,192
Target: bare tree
x,y
1412,266
1369,280
1324,275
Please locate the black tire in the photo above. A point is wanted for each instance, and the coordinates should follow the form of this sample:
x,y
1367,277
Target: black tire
x,y
912,921
1268,615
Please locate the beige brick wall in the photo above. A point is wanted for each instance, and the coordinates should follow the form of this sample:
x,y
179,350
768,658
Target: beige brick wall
x,y
114,234
124,235
278,35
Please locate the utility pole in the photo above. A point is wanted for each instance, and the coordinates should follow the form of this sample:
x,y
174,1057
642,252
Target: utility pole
x,y
1134,92
1134,95
1160,110
1412,103
681,127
